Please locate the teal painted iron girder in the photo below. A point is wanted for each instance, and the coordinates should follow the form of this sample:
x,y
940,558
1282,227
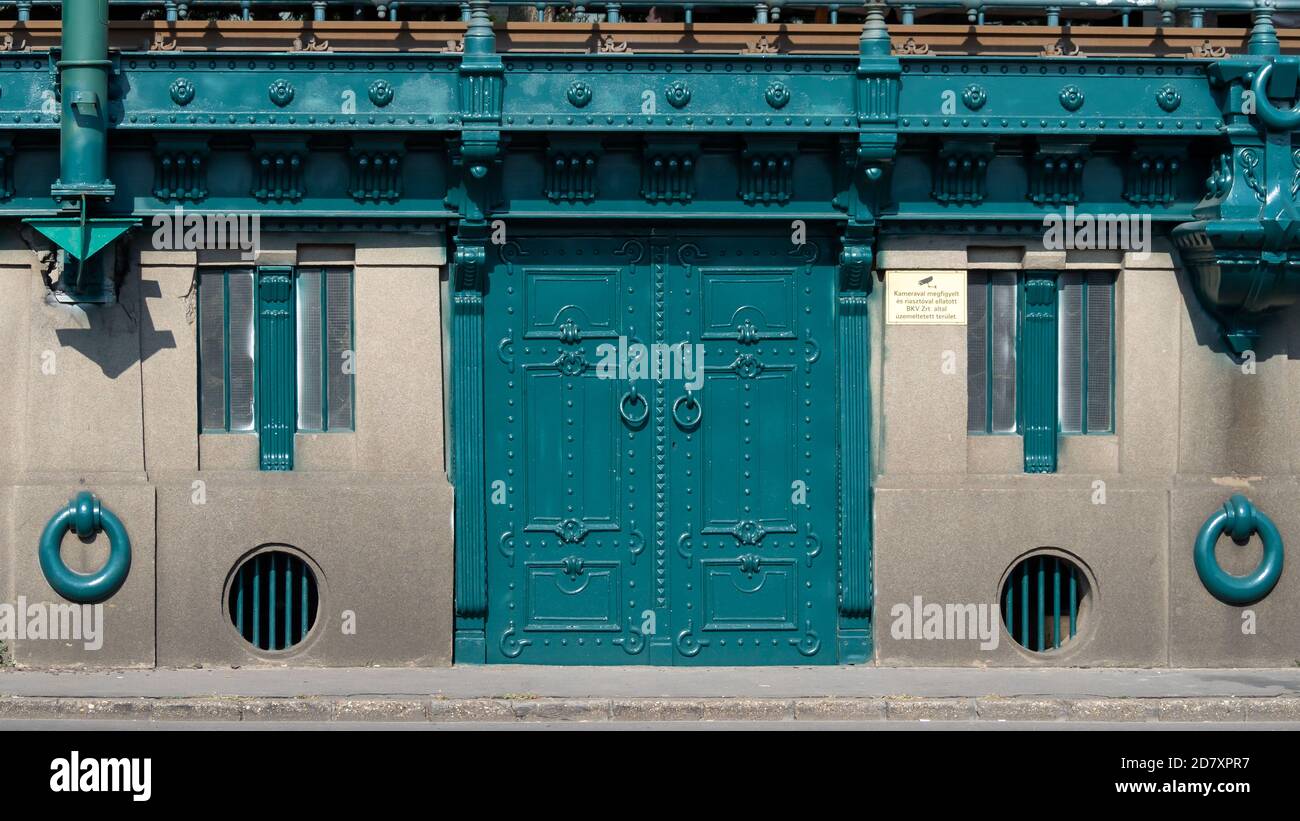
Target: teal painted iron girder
x,y
351,92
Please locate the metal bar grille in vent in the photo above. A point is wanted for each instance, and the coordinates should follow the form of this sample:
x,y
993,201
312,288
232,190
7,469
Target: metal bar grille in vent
x,y
1042,602
273,600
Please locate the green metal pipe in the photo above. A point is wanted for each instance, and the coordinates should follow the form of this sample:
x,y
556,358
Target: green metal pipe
x,y
83,78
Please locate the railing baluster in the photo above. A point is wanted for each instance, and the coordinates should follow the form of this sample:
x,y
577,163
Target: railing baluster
x,y
1042,610
1024,604
241,582
288,599
1009,605
270,633
302,624
257,601
1056,603
1074,599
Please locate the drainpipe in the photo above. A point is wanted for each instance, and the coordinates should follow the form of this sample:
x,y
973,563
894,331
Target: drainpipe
x,y
83,79
83,185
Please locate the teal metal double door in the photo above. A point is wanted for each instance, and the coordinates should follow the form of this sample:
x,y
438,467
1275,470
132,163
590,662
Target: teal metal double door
x,y
660,450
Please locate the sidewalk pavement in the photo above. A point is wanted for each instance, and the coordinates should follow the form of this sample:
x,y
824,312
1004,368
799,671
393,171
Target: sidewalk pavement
x,y
642,694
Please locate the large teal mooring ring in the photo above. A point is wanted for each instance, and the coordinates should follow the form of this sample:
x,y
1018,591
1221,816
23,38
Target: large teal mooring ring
x,y
85,516
1272,116
1239,519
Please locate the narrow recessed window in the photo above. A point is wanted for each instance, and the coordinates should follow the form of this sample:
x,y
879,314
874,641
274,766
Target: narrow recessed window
x,y
1087,361
226,346
275,354
991,331
325,352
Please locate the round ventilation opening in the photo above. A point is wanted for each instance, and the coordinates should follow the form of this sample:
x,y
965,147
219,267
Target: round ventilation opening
x,y
1045,602
273,600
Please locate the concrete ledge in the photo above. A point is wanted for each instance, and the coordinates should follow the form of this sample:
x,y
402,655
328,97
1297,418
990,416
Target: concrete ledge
x,y
517,709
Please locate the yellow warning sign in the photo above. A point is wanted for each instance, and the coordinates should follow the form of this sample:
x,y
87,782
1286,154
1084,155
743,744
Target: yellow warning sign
x,y
925,297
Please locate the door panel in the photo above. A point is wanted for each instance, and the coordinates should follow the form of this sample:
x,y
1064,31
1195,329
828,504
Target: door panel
x,y
670,517
754,494
567,473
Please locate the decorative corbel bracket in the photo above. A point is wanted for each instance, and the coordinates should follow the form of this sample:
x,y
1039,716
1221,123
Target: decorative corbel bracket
x,y
1243,249
279,168
475,187
375,169
1056,170
668,169
6,167
571,167
961,170
1152,172
767,170
864,174
180,168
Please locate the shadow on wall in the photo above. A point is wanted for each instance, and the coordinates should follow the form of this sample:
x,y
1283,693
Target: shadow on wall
x,y
1279,331
120,318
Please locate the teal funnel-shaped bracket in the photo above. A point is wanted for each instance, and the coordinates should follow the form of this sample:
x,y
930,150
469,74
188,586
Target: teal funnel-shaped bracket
x,y
1239,519
82,238
85,516
1237,280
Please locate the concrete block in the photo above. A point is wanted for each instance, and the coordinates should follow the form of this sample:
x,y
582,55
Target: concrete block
x,y
126,625
1115,709
839,709
657,709
471,709
1205,632
399,369
82,383
169,358
930,709
1020,709
748,709
562,709
1203,709
950,543
929,439
382,547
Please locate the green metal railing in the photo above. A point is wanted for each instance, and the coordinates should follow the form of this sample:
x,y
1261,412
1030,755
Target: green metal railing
x,y
273,600
1040,602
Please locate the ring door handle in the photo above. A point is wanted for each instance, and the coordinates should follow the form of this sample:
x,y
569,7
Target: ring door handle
x,y
628,407
687,411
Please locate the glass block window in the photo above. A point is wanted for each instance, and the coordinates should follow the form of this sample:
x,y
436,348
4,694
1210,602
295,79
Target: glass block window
x,y
1087,352
320,368
226,350
991,352
325,350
